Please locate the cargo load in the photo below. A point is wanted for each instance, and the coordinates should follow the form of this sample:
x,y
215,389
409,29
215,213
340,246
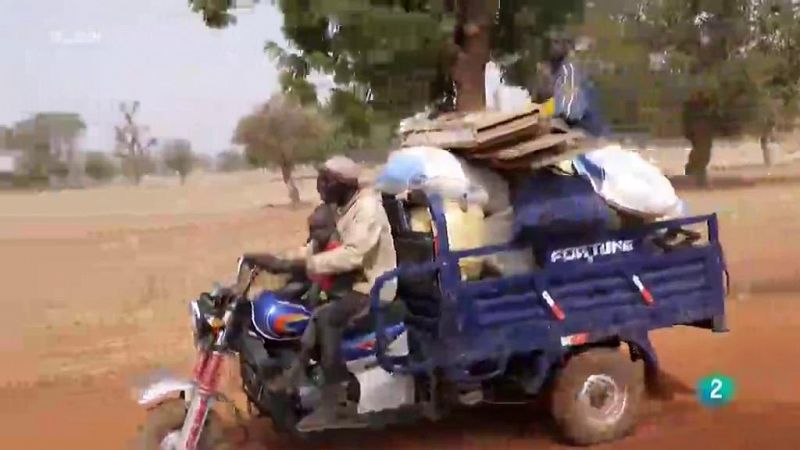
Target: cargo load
x,y
500,140
521,176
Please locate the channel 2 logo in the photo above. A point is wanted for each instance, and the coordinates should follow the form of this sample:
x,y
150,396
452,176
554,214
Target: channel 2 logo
x,y
716,390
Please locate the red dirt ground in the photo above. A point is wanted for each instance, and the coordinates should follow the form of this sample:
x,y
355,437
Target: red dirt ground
x,y
87,309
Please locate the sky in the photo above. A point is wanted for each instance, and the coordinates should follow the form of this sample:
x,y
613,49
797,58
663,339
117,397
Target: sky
x,y
87,56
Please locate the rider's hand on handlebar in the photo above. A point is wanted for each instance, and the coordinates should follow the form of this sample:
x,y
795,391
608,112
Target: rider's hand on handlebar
x,y
263,261
273,264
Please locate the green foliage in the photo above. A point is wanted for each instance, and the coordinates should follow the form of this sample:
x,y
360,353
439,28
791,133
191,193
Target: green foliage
x,y
42,137
396,54
355,119
740,55
519,36
283,133
178,156
99,166
391,58
215,12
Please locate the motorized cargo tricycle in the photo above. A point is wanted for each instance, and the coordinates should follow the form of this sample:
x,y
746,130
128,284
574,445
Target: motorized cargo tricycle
x,y
575,328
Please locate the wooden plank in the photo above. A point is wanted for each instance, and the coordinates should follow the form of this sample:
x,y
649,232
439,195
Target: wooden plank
x,y
510,131
476,131
476,121
491,119
447,139
468,139
538,160
531,134
538,144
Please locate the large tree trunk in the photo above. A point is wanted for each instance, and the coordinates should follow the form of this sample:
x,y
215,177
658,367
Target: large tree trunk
x,y
472,36
74,174
136,169
767,141
137,174
700,156
699,129
286,173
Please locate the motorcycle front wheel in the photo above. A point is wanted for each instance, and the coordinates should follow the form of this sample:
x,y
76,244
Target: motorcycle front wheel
x,y
164,422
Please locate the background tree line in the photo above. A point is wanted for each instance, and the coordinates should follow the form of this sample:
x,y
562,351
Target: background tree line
x,y
50,141
664,68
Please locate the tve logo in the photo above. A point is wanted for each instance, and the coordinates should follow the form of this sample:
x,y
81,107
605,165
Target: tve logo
x,y
716,390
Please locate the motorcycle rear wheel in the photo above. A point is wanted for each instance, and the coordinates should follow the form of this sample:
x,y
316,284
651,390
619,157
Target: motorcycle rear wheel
x,y
168,417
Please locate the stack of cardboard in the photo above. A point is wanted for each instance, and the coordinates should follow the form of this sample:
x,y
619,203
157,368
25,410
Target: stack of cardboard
x,y
506,141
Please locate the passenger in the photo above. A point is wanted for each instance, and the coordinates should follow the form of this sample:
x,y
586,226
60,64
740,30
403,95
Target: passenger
x,y
571,90
575,102
323,236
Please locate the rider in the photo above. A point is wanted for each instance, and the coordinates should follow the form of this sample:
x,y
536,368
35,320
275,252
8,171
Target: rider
x,y
574,100
367,247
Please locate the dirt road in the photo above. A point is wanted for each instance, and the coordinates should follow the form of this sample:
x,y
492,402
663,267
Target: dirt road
x,y
91,303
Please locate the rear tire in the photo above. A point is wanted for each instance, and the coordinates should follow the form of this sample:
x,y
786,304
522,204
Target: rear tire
x,y
596,397
168,417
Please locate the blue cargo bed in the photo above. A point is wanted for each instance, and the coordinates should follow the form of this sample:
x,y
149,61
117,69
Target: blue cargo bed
x,y
617,284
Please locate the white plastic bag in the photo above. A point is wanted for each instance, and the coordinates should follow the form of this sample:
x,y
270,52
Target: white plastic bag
x,y
432,170
627,182
418,167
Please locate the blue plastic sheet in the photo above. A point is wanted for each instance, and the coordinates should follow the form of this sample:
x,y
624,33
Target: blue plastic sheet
x,y
548,204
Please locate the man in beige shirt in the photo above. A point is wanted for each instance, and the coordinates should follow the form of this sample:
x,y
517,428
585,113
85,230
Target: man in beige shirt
x,y
368,248
366,236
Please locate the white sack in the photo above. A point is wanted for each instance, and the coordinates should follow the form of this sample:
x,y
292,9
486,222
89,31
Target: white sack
x,y
630,183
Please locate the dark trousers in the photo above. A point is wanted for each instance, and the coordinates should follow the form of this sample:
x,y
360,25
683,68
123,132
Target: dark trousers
x,y
326,329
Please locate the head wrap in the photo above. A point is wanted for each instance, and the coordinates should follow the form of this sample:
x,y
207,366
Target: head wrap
x,y
343,167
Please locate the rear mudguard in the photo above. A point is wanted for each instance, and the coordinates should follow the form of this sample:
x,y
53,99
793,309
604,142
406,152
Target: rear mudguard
x,y
165,388
640,348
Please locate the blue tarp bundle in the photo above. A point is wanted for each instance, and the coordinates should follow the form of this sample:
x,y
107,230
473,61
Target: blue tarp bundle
x,y
548,204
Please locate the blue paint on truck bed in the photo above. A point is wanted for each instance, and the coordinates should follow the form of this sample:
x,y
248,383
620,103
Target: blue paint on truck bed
x,y
496,319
